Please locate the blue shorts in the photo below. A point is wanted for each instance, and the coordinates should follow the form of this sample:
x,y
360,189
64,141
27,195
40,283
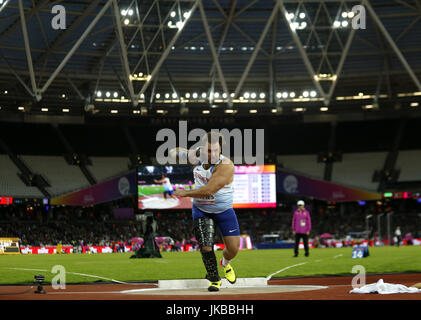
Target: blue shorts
x,y
170,192
226,221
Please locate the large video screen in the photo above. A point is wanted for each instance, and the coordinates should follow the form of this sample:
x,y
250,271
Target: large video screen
x,y
254,186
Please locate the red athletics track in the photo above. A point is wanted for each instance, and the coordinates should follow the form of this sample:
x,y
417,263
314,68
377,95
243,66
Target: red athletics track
x,y
338,289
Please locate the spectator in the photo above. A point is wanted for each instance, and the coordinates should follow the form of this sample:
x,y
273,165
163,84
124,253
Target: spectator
x,y
316,242
398,235
409,239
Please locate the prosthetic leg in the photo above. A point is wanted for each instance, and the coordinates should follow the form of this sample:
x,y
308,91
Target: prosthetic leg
x,y
204,230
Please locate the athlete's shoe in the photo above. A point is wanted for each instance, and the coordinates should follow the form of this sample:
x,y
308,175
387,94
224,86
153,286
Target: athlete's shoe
x,y
229,272
214,286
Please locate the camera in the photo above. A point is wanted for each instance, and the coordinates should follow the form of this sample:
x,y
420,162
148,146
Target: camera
x,y
39,278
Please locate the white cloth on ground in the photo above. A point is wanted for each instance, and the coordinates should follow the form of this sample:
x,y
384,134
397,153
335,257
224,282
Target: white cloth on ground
x,y
385,288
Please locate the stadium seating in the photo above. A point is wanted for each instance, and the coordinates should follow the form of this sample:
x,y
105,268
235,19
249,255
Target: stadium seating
x,y
306,164
409,164
357,169
105,167
61,176
10,183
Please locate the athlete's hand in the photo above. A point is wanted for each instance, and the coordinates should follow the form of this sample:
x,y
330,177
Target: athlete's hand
x,y
180,193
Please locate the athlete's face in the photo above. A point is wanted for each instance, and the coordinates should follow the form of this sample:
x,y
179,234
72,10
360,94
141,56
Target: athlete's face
x,y
213,151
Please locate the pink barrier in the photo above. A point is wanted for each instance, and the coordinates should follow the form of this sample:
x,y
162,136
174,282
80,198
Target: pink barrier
x,y
44,250
67,249
97,249
189,247
339,244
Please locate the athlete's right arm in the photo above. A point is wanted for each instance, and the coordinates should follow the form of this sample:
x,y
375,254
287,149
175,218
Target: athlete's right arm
x,y
191,156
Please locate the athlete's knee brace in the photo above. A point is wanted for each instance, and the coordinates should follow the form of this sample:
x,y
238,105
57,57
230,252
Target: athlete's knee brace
x,y
204,231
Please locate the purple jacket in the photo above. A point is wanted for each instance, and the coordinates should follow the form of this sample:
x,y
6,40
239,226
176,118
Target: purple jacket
x,y
301,221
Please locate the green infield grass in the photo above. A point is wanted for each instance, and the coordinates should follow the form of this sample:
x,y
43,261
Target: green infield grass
x,y
188,265
148,190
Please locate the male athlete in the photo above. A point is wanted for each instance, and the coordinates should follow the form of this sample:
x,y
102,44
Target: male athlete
x,y
212,205
167,187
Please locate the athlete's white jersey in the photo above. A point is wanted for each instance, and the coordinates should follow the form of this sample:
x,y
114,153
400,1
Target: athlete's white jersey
x,y
167,184
221,200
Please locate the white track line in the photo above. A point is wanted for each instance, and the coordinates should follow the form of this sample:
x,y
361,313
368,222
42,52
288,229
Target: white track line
x,y
75,273
88,275
144,195
295,265
29,269
78,292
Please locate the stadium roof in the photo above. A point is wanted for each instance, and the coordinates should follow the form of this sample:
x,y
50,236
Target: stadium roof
x,y
133,57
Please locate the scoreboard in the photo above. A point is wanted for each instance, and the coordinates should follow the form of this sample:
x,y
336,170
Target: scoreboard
x,y
255,186
9,246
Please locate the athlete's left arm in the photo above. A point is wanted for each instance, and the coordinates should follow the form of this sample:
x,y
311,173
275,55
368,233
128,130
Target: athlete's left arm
x,y
222,176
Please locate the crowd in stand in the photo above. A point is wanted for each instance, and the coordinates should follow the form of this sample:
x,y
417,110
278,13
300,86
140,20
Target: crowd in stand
x,y
39,225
